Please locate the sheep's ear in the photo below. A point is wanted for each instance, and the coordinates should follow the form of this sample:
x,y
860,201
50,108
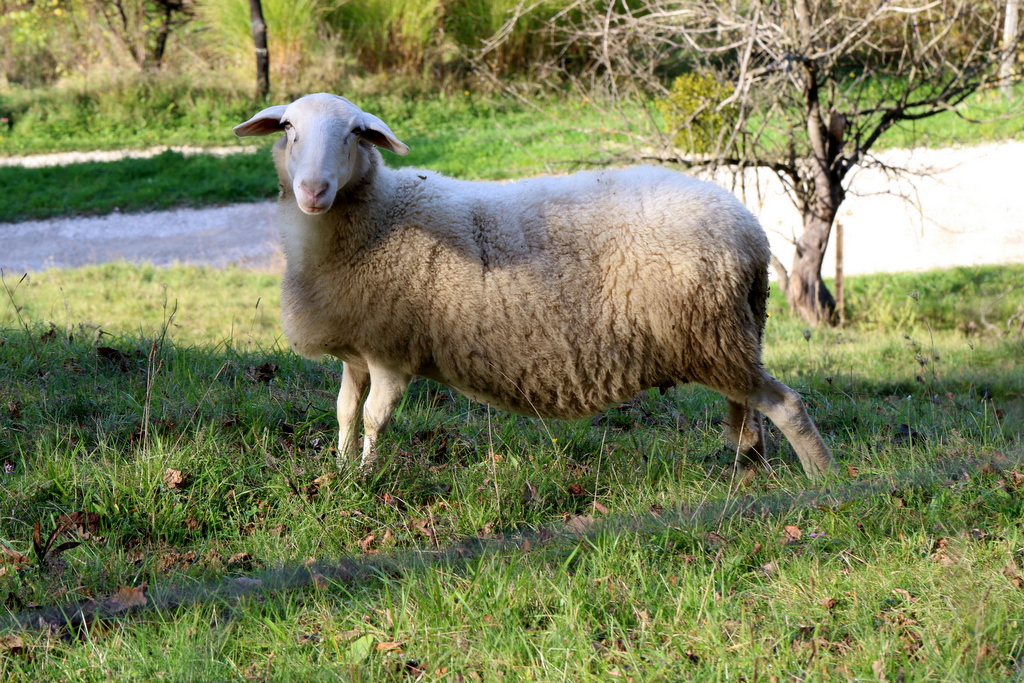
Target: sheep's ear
x,y
376,131
266,122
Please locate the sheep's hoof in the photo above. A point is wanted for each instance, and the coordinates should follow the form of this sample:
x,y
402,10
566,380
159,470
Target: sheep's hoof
x,y
740,475
344,461
367,471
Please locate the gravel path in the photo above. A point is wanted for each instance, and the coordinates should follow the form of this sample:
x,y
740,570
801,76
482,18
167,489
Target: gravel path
x,y
241,233
968,209
65,158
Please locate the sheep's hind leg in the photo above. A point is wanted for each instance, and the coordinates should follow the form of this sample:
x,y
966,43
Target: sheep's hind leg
x,y
386,389
354,382
745,431
784,407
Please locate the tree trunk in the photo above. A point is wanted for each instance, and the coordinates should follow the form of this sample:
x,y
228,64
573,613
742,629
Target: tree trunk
x,y
807,294
259,39
161,36
1009,39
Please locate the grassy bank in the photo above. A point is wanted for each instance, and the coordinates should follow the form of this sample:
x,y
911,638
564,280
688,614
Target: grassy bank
x,y
495,547
461,136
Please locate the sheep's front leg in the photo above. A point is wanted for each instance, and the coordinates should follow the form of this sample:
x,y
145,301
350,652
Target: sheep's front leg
x,y
354,381
387,387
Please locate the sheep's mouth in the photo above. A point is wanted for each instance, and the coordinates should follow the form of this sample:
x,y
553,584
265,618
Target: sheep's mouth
x,y
313,210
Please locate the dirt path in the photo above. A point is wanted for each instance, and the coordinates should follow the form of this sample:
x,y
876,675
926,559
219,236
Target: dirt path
x,y
968,209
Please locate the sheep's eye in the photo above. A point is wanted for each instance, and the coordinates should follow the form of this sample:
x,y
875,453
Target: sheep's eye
x,y
287,125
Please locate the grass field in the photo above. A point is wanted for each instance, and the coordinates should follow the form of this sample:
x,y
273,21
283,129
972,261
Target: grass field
x,y
462,137
152,417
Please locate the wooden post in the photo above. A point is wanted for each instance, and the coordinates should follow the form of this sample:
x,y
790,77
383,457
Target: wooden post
x,y
259,39
840,284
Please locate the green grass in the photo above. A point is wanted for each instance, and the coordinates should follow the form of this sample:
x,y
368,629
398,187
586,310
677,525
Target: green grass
x,y
460,136
906,562
123,113
983,117
166,181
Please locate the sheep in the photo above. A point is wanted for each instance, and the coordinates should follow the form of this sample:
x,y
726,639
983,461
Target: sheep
x,y
551,297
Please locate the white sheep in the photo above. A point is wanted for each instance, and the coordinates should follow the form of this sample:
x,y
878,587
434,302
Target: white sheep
x,y
550,297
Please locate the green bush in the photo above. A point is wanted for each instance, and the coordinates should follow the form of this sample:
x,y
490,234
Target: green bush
x,y
692,112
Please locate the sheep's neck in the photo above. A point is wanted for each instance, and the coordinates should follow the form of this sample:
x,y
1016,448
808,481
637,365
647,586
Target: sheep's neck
x,y
344,234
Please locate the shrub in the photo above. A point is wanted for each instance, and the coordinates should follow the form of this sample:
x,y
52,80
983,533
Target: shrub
x,y
692,112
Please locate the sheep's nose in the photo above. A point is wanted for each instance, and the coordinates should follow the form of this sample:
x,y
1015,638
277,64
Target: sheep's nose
x,y
314,190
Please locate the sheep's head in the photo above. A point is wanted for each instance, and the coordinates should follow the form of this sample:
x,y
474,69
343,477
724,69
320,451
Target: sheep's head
x,y
321,150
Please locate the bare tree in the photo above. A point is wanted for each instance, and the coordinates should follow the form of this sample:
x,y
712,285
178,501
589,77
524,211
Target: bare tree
x,y
803,88
259,39
141,28
172,13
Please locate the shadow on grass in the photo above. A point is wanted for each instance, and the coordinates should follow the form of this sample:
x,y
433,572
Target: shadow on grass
x,y
834,496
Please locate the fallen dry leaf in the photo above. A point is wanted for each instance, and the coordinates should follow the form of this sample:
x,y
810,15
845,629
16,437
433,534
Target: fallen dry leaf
x,y
578,524
389,646
366,543
264,373
829,603
241,560
1010,572
598,507
394,501
988,468
905,594
173,478
319,581
11,644
791,534
770,568
12,556
423,526
125,598
878,666
324,479
87,523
